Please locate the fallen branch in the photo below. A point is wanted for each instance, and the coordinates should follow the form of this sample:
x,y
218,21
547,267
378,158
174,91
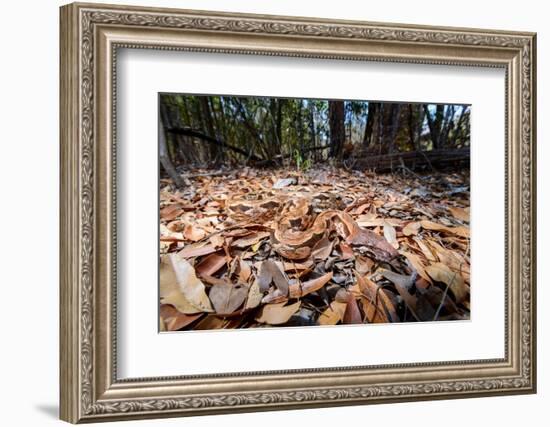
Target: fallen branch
x,y
196,134
413,159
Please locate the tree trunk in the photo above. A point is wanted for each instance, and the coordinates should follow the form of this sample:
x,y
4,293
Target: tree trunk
x,y
435,124
371,117
393,126
208,124
337,129
165,157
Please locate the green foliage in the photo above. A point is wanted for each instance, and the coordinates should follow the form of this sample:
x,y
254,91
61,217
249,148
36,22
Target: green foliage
x,y
293,130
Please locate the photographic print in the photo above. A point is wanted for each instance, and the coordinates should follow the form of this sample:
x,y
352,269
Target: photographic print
x,y
221,180
279,212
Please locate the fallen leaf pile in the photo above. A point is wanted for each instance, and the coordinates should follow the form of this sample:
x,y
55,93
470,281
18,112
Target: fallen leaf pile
x,y
258,248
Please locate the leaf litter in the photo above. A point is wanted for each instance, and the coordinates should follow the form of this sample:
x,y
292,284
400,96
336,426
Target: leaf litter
x,y
256,248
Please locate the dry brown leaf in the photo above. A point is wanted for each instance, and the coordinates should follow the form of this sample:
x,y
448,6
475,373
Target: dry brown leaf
x,y
190,232
462,214
245,242
189,285
171,212
417,264
173,320
391,235
352,315
412,228
297,266
293,253
452,259
265,276
244,271
310,286
192,251
462,231
425,250
377,306
211,264
270,271
254,296
442,273
211,322
333,314
322,249
403,284
228,298
363,264
346,251
170,292
277,314
217,240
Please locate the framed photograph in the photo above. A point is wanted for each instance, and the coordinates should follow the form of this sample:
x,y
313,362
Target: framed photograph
x,y
267,212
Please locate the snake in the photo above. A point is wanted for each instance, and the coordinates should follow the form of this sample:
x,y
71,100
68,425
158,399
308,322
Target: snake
x,y
299,219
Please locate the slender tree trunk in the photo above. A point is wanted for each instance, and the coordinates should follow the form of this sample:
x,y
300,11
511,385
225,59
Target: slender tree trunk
x,y
434,123
337,129
448,124
457,131
393,126
165,160
208,124
371,118
299,128
311,125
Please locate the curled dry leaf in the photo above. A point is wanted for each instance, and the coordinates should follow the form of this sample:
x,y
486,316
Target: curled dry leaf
x,y
299,290
189,285
277,314
442,273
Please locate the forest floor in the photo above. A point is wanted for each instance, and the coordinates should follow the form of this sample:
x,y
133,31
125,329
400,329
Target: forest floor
x,y
247,248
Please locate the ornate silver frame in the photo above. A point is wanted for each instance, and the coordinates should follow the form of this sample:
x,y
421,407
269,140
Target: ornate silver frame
x,y
90,36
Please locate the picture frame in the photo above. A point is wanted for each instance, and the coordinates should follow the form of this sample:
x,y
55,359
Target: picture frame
x,y
91,35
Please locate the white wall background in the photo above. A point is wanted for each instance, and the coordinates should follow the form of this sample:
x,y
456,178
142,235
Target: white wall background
x,y
29,170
